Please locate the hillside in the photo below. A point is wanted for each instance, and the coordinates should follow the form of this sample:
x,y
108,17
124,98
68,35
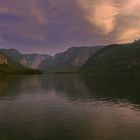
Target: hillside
x,y
116,58
9,66
70,60
28,60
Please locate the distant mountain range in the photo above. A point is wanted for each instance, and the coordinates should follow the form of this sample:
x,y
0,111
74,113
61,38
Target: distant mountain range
x,y
28,60
68,61
115,58
10,66
111,59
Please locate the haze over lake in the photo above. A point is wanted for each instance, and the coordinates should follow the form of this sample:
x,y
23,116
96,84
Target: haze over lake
x,y
69,107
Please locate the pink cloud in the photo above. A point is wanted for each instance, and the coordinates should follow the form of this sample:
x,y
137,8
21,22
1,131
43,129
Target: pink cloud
x,y
121,18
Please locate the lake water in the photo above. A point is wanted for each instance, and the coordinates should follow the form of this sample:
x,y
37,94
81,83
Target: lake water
x,y
69,107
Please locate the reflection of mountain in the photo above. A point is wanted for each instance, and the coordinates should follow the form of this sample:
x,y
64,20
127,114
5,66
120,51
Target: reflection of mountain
x,y
3,85
75,87
67,107
13,85
67,85
114,87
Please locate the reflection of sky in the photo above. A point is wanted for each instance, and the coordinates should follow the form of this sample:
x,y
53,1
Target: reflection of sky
x,y
65,106
41,108
49,26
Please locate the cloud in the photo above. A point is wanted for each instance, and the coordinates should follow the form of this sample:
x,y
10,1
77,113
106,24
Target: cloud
x,y
100,13
120,17
21,18
129,35
128,23
57,24
30,8
37,12
3,10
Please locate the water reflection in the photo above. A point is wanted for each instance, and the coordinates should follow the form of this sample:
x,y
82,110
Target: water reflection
x,y
115,87
69,107
76,87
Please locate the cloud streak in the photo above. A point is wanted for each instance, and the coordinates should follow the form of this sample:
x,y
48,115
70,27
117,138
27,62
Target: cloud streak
x,y
100,13
50,25
111,16
29,13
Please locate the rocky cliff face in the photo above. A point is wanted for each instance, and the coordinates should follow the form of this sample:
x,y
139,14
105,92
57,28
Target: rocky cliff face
x,y
28,60
70,60
10,66
33,60
3,59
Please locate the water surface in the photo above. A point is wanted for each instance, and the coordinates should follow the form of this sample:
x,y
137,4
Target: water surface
x,y
69,107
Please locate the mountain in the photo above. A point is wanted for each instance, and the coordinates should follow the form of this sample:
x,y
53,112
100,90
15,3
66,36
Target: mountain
x,y
10,66
115,58
3,59
28,60
70,60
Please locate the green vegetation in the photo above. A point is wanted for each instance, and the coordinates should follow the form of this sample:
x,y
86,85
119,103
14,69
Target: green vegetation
x,y
112,59
10,69
10,66
115,59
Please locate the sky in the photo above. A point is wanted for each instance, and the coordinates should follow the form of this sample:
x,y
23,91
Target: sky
x,y
51,26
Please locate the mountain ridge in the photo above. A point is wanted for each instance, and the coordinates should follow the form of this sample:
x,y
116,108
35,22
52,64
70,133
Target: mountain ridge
x,y
115,59
10,66
27,60
68,61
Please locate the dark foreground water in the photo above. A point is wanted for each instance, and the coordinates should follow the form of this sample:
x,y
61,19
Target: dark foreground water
x,y
69,107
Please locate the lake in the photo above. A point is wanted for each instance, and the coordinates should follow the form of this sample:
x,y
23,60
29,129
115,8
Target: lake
x,y
69,107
